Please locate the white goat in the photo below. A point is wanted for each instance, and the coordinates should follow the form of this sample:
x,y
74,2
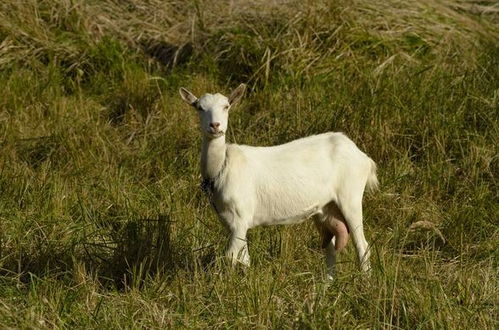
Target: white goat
x,y
321,176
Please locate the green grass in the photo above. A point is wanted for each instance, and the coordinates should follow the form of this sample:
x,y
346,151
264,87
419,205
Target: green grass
x,y
103,223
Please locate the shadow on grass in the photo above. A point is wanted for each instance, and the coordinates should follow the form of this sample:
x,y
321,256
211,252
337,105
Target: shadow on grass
x,y
141,249
167,54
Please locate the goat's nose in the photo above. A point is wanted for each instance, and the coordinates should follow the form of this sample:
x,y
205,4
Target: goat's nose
x,y
215,125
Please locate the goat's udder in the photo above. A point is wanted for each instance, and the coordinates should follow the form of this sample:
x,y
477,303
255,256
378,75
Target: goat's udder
x,y
340,231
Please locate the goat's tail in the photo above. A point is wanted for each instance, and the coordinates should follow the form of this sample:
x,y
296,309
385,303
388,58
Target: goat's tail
x,y
372,179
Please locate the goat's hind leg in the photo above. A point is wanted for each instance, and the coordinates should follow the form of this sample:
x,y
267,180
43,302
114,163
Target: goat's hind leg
x,y
328,246
351,208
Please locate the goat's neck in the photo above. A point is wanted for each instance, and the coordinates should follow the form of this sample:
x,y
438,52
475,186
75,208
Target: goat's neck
x,y
212,156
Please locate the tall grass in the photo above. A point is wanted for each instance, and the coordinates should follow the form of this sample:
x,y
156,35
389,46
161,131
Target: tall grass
x,y
103,224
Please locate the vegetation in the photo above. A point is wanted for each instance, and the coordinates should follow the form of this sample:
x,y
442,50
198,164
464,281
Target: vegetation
x,y
103,224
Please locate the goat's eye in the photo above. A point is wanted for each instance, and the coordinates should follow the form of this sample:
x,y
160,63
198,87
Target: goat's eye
x,y
226,107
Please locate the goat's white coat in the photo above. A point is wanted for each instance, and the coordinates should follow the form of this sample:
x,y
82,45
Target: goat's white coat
x,y
282,184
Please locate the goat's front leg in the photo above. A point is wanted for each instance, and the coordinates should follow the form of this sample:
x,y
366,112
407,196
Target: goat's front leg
x,y
238,246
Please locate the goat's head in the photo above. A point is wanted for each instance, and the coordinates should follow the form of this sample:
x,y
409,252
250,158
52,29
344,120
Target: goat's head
x,y
213,109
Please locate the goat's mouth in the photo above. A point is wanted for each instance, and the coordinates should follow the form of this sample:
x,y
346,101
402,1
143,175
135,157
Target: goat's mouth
x,y
216,134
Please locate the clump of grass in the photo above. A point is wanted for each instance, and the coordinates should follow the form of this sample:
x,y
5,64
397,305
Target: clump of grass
x,y
102,222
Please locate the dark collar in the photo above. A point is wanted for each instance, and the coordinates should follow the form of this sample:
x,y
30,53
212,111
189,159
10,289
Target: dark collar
x,y
208,186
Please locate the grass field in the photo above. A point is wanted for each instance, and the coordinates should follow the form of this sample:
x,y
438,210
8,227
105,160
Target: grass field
x,y
102,221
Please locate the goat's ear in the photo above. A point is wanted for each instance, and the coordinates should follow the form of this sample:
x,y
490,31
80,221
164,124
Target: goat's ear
x,y
187,96
237,94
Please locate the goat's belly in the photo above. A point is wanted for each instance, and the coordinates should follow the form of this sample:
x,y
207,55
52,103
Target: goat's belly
x,y
285,218
282,199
